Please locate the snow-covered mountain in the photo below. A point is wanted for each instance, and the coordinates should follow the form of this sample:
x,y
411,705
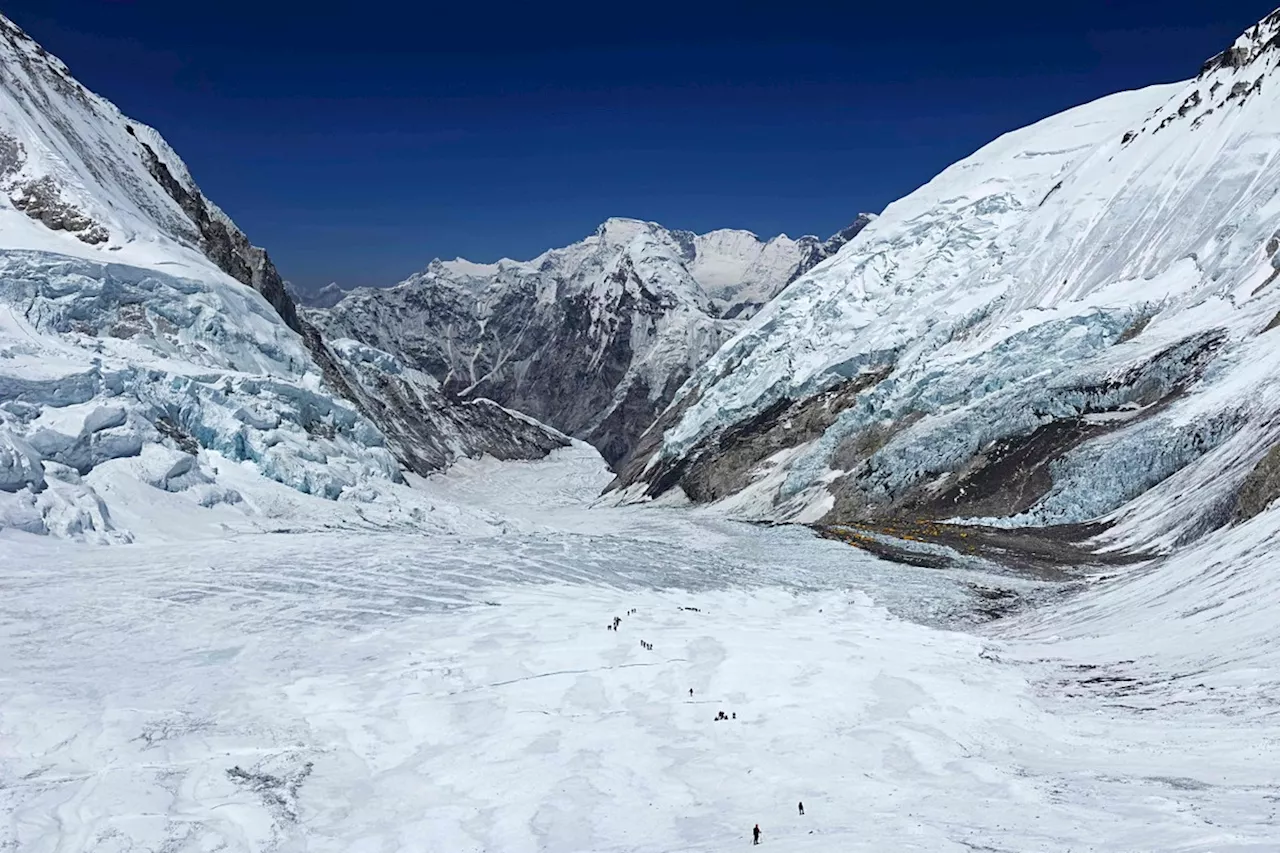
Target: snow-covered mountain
x,y
593,338
148,349
322,297
1074,324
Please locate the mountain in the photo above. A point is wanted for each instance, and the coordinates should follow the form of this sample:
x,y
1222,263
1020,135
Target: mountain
x,y
594,338
1073,326
146,344
323,297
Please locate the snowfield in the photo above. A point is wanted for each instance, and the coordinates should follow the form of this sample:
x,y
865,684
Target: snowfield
x,y
382,690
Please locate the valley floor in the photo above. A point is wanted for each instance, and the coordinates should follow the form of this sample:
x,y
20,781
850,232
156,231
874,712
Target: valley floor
x,y
383,691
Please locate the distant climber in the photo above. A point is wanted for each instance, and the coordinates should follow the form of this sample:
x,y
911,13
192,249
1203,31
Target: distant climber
x,y
802,808
755,835
690,692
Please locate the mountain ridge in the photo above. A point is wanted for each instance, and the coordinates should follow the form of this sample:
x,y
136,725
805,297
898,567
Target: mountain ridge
x,y
592,338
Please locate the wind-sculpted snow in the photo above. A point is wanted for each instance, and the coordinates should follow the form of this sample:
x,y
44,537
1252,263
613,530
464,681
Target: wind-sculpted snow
x,y
593,338
1055,326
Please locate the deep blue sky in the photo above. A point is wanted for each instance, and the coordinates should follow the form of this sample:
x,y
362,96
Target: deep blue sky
x,y
356,141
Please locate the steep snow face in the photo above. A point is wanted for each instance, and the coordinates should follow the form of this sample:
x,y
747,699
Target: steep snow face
x,y
593,338
150,355
1073,323
75,171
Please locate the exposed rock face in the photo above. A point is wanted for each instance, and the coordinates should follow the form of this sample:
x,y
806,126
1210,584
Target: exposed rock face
x,y
595,338
427,429
1043,335
224,243
1261,487
1261,39
41,201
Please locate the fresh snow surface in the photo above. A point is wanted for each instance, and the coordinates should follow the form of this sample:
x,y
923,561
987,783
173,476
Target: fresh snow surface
x,y
362,691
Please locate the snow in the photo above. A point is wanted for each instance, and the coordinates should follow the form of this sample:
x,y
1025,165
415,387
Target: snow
x,y
458,690
52,127
741,272
137,379
99,362
291,650
468,269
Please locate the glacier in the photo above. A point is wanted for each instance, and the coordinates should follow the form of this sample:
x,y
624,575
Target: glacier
x,y
99,361
1041,335
351,688
354,603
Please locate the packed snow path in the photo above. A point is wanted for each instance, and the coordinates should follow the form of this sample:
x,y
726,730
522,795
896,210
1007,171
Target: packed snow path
x,y
347,692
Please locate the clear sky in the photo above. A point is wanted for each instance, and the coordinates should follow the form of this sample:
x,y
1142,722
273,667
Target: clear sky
x,y
358,140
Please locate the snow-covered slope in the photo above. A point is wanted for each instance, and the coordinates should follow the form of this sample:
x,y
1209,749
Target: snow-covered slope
x,y
1074,323
145,343
593,338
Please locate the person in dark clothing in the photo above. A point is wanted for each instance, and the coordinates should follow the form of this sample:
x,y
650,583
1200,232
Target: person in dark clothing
x,y
690,692
755,835
801,809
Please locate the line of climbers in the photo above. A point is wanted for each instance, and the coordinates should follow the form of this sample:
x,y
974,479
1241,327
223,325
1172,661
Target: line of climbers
x,y
720,715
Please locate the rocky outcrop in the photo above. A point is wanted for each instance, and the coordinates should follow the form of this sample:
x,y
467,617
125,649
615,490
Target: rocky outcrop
x,y
224,243
1261,487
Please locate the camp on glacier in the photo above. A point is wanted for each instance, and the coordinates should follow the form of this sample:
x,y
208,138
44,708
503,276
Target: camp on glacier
x,y
956,527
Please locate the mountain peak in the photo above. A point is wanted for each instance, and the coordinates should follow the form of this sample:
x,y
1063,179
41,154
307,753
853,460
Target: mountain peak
x,y
1260,39
619,230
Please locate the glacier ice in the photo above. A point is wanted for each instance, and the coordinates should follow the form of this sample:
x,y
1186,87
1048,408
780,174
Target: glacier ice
x,y
1059,277
100,361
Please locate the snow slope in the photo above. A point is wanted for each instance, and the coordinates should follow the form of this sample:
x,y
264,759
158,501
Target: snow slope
x,y
593,338
1073,323
389,691
145,345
